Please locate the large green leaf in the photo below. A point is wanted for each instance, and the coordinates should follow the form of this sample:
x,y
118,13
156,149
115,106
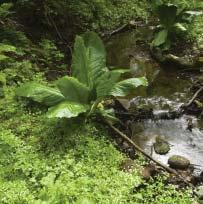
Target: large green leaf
x,y
67,109
97,55
106,82
89,59
73,90
160,38
123,88
40,93
80,63
167,14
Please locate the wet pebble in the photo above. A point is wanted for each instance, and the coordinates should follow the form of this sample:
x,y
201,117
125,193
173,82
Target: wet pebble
x,y
161,146
178,162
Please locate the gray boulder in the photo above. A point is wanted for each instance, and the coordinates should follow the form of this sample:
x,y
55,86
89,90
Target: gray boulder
x,y
178,162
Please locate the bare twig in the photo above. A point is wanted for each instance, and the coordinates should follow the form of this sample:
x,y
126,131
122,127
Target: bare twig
x,y
194,97
121,28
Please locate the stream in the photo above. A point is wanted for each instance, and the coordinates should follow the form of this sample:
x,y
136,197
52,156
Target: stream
x,y
166,92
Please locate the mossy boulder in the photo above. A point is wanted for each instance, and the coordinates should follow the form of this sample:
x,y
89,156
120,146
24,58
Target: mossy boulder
x,y
161,146
178,162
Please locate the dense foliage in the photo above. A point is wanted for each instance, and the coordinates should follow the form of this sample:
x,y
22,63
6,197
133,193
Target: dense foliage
x,y
90,84
98,15
174,20
66,161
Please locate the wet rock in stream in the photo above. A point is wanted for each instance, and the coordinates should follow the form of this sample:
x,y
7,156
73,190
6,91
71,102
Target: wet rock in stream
x,y
161,146
167,115
157,109
178,162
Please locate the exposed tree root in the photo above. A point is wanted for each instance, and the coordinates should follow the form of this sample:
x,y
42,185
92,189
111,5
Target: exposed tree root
x,y
193,98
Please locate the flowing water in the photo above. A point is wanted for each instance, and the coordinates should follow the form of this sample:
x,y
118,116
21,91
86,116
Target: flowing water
x,y
167,92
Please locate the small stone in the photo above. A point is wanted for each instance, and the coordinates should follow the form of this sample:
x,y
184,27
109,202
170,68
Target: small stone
x,y
161,146
178,162
199,192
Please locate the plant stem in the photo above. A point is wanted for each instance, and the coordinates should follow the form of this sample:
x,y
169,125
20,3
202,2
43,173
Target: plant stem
x,y
93,108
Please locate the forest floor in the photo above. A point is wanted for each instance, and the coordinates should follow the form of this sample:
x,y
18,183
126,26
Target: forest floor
x,y
60,161
45,161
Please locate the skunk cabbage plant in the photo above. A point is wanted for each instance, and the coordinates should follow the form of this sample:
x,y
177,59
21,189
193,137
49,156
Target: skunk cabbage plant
x,y
90,84
172,20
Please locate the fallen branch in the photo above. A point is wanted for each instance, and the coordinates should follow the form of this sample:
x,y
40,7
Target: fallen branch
x,y
165,167
121,28
194,97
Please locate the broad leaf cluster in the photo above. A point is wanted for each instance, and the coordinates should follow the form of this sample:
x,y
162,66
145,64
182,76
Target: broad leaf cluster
x,y
172,20
90,83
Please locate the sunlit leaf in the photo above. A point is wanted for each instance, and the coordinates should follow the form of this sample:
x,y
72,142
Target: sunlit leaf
x,y
40,93
73,90
121,71
180,27
123,88
97,54
160,37
67,109
194,13
7,48
106,82
89,58
80,62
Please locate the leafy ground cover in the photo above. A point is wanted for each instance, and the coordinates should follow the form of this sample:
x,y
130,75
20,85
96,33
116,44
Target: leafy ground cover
x,y
59,161
62,161
48,161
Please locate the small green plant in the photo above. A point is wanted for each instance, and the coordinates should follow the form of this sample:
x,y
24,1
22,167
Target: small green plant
x,y
92,82
4,50
51,57
172,21
5,10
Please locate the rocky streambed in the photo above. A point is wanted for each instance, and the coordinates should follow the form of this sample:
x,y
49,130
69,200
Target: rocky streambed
x,y
160,102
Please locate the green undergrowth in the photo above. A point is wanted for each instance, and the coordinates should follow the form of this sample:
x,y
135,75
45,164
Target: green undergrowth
x,y
98,15
49,161
196,31
46,161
